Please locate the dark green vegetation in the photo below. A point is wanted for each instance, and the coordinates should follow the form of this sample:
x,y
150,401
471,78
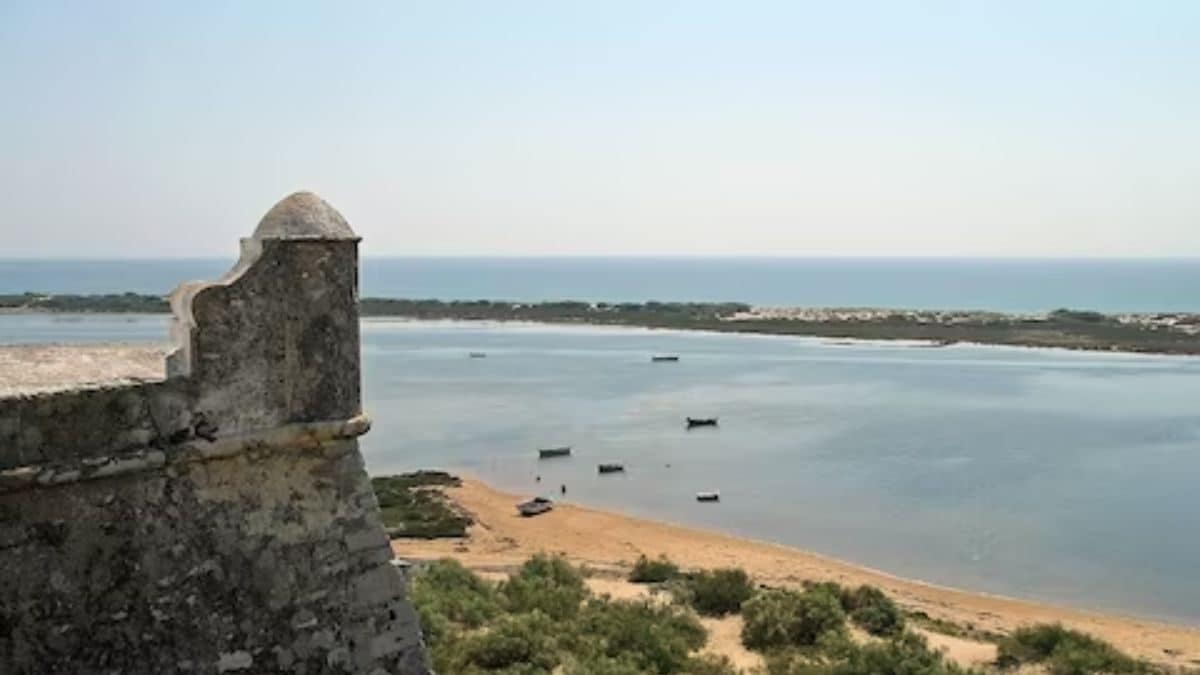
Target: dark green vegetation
x,y
647,571
719,592
543,617
868,607
781,618
1062,651
124,303
1063,328
905,654
413,505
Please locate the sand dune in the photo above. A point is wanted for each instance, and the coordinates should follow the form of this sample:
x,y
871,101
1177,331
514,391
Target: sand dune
x,y
611,542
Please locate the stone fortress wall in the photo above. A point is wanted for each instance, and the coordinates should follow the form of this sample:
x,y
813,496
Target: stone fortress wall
x,y
219,519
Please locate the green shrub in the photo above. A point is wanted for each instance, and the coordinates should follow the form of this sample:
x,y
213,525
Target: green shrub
x,y
647,571
867,606
831,587
784,618
1063,651
873,611
411,505
520,642
603,665
656,638
543,620
545,583
720,592
906,654
453,594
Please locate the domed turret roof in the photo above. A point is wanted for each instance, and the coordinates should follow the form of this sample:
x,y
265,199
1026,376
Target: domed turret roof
x,y
303,215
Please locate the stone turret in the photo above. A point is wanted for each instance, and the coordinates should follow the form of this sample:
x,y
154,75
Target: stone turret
x,y
281,328
220,519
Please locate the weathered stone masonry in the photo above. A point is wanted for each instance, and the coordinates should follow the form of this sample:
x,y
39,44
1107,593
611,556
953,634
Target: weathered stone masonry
x,y
219,520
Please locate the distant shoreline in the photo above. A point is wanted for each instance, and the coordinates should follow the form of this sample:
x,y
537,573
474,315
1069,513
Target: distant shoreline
x,y
1175,333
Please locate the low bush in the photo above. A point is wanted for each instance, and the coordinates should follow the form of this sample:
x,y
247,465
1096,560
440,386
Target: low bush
x,y
413,507
647,571
603,665
656,638
873,611
545,583
1063,651
783,618
905,654
519,641
720,592
454,593
867,606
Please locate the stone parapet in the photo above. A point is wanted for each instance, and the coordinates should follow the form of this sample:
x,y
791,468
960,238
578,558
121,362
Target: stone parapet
x,y
220,519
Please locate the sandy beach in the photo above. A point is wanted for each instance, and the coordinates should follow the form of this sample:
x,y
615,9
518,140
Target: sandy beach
x,y
610,542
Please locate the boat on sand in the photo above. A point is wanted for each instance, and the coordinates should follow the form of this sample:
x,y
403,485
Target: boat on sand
x,y
534,507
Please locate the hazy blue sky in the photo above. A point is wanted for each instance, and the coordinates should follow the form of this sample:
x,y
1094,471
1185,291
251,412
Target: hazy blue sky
x,y
1000,128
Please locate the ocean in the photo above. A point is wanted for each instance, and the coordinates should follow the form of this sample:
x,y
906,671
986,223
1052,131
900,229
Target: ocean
x,y
1066,477
1011,285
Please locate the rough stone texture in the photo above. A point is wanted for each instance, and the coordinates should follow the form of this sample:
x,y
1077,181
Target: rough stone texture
x,y
219,520
26,369
301,215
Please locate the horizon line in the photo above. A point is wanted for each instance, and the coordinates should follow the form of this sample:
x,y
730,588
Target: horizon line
x,y
644,256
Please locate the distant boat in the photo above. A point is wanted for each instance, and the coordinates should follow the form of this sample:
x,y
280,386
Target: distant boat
x,y
534,507
546,453
664,357
611,468
713,496
701,422
477,355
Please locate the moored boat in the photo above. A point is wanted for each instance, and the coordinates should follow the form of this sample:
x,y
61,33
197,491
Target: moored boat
x,y
611,468
546,453
659,358
713,496
701,422
534,507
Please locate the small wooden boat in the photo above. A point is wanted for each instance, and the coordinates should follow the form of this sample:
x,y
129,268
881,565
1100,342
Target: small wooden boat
x,y
534,507
660,358
713,496
611,468
546,453
701,422
477,355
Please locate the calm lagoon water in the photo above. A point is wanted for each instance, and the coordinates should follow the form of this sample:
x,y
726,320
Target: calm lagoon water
x,y
1069,477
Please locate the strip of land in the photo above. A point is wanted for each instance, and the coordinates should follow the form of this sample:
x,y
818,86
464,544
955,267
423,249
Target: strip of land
x,y
500,540
1164,333
1151,333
